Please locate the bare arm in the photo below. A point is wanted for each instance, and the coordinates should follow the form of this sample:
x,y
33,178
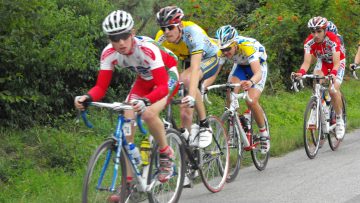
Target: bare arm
x,y
357,56
195,73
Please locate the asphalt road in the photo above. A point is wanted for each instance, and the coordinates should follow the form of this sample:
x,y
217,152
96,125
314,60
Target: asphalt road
x,y
330,177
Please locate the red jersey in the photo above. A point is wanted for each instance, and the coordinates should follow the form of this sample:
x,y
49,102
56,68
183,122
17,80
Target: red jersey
x,y
324,50
148,60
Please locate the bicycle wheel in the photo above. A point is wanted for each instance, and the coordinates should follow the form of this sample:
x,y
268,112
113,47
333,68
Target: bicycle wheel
x,y
169,191
99,175
312,128
235,148
260,160
333,141
214,159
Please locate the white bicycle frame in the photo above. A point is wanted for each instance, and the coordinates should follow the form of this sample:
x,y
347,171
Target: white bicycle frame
x,y
234,105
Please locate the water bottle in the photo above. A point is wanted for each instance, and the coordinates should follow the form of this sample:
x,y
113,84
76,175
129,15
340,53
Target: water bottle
x,y
327,98
134,151
247,115
326,117
193,135
185,133
244,122
145,152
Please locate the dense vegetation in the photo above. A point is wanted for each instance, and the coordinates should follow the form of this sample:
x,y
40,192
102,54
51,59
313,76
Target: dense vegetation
x,y
50,51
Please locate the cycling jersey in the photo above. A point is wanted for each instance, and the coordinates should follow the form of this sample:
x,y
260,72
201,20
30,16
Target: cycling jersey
x,y
249,50
147,59
324,50
324,53
194,40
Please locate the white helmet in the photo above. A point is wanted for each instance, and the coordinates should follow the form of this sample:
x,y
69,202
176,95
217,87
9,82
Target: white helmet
x,y
118,22
226,35
317,23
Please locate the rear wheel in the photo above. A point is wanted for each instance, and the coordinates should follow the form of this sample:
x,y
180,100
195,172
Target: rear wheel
x,y
214,159
312,128
169,191
235,149
99,175
333,141
260,160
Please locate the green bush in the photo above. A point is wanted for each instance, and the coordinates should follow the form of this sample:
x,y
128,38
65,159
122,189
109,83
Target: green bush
x,y
49,52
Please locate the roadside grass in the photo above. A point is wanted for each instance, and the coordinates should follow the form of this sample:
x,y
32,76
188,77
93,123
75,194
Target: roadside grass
x,y
45,164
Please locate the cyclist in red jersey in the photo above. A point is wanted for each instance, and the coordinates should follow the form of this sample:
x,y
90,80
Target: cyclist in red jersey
x,y
150,90
325,48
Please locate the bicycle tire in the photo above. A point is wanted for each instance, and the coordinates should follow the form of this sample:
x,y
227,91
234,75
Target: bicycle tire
x,y
235,146
260,160
312,133
169,191
106,152
334,143
214,159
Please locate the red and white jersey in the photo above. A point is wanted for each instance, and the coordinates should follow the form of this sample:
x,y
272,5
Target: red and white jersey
x,y
145,57
324,51
151,62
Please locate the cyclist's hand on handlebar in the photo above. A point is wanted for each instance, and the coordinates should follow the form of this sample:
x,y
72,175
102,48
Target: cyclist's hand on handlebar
x,y
139,105
246,84
188,101
352,66
79,102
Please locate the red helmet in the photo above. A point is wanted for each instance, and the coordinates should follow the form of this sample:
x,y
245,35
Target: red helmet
x,y
317,23
169,15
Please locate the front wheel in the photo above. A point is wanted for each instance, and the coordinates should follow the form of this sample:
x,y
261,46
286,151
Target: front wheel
x,y
312,128
100,175
235,146
214,159
169,191
333,141
260,160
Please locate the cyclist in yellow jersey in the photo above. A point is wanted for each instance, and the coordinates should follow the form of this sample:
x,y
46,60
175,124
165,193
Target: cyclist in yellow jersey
x,y
357,58
199,52
249,69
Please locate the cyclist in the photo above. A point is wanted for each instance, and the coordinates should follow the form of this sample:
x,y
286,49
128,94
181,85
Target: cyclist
x,y
150,90
357,58
332,28
249,69
199,53
325,48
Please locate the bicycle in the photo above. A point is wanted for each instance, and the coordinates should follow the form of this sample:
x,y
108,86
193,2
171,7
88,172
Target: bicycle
x,y
211,162
353,68
243,135
105,178
319,116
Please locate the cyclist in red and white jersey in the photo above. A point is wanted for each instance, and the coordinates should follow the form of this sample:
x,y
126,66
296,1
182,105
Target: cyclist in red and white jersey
x,y
156,74
325,48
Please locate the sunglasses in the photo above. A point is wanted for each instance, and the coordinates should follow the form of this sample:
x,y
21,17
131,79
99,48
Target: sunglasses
x,y
316,31
169,27
226,49
118,37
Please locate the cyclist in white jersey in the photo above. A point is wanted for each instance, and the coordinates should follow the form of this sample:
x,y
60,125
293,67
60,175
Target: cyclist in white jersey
x,y
249,69
150,91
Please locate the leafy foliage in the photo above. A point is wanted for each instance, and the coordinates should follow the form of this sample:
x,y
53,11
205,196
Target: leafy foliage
x,y
48,47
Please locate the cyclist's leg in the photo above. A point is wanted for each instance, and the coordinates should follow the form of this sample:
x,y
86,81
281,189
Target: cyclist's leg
x,y
210,69
187,113
156,128
255,93
337,101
